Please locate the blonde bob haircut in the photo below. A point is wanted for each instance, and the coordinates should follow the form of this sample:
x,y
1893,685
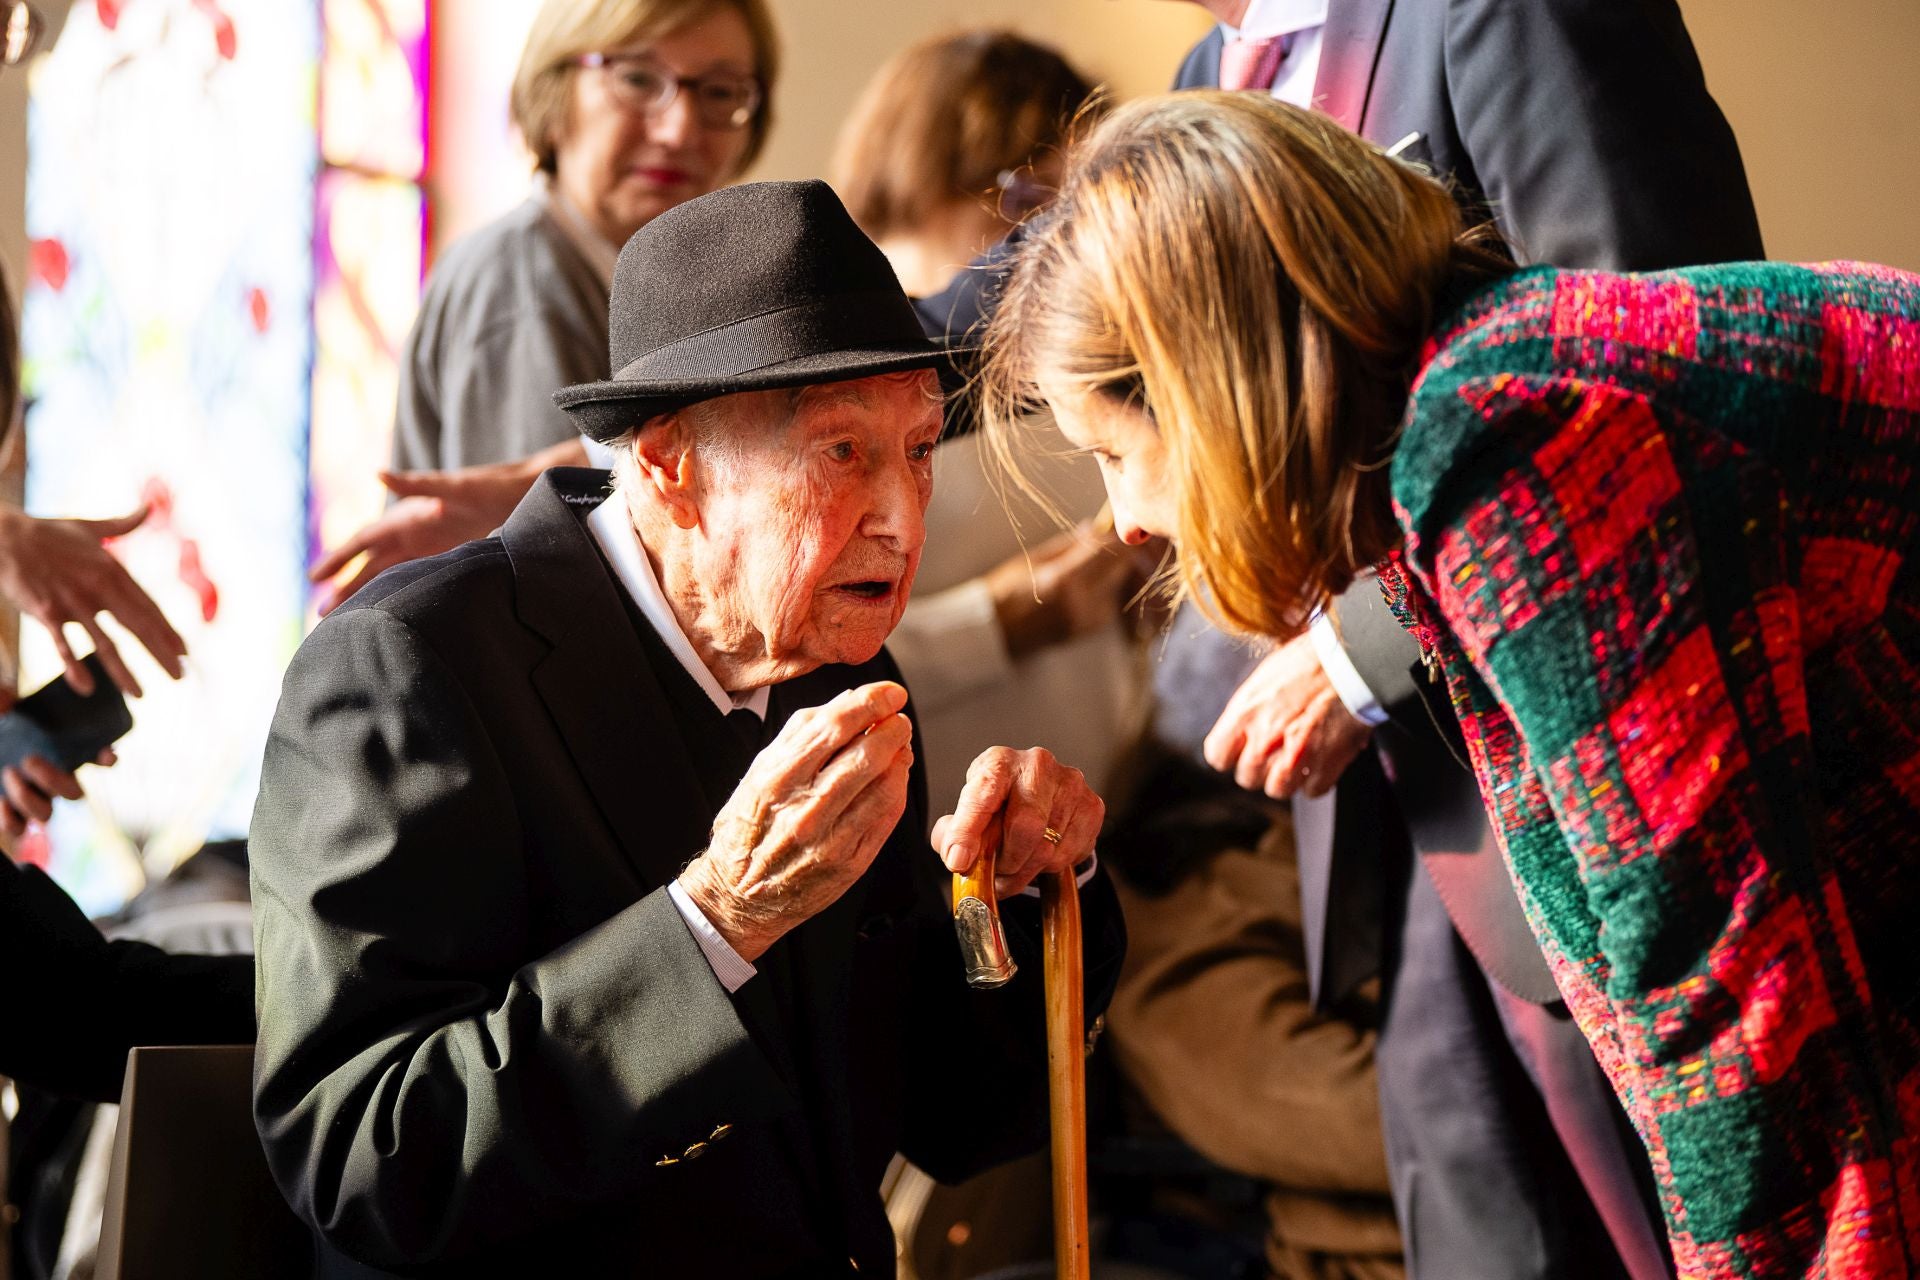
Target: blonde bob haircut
x,y
564,30
1260,282
943,119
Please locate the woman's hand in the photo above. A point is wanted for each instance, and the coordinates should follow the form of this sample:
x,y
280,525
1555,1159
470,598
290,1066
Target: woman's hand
x,y
1043,814
57,572
436,511
808,819
1285,728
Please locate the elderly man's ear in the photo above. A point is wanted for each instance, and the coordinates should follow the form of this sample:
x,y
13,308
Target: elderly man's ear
x,y
666,468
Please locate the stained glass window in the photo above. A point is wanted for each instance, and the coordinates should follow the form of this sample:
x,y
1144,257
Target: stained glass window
x,y
226,221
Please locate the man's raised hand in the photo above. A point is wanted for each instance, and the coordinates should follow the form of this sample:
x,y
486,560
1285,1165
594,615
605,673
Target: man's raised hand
x,y
807,820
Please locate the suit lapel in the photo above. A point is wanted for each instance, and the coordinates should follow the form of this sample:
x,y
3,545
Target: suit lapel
x,y
1349,55
1201,70
597,682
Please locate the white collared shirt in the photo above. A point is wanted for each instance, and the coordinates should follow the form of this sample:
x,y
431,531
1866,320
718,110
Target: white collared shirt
x,y
612,527
1304,21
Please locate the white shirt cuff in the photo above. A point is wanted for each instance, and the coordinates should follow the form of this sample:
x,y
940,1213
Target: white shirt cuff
x,y
727,965
1341,672
1079,881
598,455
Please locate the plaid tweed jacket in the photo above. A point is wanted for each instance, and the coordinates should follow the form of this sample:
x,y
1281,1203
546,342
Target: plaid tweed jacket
x,y
1658,536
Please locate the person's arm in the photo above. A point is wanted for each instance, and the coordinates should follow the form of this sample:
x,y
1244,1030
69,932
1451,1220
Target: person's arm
x,y
76,1003
1592,134
415,1073
958,640
434,511
472,387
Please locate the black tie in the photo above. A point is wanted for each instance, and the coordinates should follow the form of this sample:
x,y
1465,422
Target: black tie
x,y
748,727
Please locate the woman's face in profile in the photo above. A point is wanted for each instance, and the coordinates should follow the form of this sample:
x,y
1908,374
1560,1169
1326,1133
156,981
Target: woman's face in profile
x,y
621,167
1126,443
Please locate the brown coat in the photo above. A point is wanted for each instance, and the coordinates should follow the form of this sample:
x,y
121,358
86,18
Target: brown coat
x,y
1211,1024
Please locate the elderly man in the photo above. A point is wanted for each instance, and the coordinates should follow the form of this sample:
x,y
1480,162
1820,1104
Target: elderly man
x,y
597,920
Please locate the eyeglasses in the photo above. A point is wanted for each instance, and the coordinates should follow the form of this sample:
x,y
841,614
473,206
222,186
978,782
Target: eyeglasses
x,y
643,85
20,28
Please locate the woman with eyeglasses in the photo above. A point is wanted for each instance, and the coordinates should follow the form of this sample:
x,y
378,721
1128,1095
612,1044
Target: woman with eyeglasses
x,y
630,107
1653,534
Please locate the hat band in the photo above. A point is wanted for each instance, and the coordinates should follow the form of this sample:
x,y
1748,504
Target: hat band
x,y
845,322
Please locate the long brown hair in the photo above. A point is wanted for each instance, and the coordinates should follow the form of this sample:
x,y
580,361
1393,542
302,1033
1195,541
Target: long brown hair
x,y
1260,281
942,119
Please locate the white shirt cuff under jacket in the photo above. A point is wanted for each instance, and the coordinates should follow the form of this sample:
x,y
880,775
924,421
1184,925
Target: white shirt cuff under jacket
x,y
1344,676
1080,878
727,965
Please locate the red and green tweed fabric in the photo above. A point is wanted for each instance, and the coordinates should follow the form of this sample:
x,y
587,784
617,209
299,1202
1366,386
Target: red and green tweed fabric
x,y
1658,537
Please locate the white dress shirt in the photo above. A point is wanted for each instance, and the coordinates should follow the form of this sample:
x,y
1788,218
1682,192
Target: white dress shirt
x,y
1303,22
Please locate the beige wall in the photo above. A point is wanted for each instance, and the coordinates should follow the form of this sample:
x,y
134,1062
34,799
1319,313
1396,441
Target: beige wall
x,y
1825,99
833,46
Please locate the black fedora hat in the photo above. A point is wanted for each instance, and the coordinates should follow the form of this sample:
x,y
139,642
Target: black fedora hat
x,y
750,288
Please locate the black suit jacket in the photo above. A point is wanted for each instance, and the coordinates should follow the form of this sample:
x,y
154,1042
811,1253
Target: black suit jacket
x,y
76,1002
1586,128
489,1042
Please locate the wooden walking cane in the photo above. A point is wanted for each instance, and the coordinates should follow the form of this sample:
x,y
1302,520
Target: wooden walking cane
x,y
976,914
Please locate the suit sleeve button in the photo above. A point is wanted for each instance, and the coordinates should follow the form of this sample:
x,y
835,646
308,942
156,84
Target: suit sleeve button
x,y
719,1131
664,1161
694,1152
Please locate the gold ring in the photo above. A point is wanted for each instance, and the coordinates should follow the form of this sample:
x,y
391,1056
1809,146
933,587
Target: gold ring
x,y
1051,836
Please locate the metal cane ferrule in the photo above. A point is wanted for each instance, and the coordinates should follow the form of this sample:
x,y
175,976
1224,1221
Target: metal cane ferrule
x,y
983,944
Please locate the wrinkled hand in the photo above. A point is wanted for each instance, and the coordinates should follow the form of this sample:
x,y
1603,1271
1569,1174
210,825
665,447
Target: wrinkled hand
x,y
807,820
57,572
1014,798
1075,582
1285,728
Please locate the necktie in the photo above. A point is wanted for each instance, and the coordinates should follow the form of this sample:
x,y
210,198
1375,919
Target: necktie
x,y
749,728
1251,64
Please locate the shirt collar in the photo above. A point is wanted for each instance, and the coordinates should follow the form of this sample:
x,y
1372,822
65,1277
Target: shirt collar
x,y
601,253
612,528
1265,18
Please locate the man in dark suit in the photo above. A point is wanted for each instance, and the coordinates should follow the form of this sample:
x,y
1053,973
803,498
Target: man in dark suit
x,y
1585,127
597,920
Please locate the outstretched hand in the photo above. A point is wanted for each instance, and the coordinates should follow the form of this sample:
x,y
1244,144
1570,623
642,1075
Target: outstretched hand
x,y
1042,813
436,511
1285,728
57,572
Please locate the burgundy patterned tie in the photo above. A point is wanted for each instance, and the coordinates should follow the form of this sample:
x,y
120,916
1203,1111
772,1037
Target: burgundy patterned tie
x,y
1251,64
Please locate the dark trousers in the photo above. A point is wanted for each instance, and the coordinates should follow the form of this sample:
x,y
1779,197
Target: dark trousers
x,y
1510,1156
